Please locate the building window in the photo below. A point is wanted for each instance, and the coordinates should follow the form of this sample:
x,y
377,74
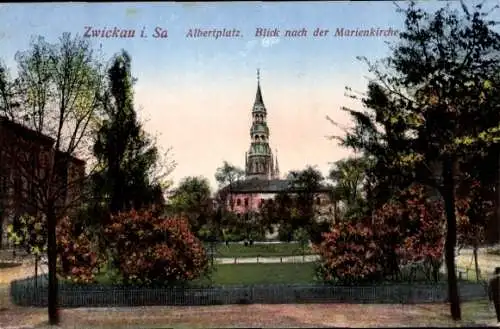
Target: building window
x,y
246,202
318,200
238,202
262,202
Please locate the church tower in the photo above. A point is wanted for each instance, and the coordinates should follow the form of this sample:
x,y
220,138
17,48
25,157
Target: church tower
x,y
259,162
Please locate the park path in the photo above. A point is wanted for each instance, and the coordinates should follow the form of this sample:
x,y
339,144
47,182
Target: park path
x,y
267,259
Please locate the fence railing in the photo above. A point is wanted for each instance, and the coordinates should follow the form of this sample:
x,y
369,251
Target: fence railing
x,y
26,293
267,259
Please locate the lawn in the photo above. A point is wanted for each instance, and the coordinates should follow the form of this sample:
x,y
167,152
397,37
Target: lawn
x,y
236,274
261,250
287,273
270,273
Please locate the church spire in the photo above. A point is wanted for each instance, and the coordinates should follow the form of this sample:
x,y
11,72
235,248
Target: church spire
x,y
258,96
259,161
276,166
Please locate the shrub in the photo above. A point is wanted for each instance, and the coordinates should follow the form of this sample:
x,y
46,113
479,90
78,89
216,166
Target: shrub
x,y
406,230
78,258
150,249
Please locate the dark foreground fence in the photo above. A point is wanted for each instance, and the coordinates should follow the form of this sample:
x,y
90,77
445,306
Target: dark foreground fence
x,y
24,293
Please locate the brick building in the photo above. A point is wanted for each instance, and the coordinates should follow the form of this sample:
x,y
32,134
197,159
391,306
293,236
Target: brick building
x,y
27,160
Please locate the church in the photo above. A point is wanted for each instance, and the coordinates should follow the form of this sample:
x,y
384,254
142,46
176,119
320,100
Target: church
x,y
262,175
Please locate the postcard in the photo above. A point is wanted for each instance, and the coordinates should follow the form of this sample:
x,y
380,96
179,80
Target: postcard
x,y
226,164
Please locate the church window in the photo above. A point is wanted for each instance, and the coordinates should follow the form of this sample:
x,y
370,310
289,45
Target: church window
x,y
238,202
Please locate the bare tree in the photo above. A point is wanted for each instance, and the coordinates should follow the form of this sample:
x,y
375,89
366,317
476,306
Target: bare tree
x,y
58,89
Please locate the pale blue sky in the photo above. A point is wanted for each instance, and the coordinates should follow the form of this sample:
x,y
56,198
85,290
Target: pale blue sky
x,y
197,93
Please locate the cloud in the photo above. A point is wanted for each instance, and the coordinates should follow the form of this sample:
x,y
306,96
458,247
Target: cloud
x,y
269,42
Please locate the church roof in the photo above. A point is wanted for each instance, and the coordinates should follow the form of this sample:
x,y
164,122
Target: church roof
x,y
266,186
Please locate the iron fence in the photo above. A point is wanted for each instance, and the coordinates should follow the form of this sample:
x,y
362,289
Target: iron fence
x,y
27,293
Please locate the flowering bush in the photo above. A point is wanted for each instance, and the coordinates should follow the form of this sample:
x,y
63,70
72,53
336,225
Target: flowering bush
x,y
78,259
473,212
153,249
349,254
409,229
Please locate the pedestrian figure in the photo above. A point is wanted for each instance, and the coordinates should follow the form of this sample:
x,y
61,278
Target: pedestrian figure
x,y
494,291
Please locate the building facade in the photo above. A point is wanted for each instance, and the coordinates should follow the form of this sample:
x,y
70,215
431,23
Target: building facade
x,y
27,159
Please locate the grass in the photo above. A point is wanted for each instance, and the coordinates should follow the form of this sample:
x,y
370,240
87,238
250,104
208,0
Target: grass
x,y
241,274
288,273
262,250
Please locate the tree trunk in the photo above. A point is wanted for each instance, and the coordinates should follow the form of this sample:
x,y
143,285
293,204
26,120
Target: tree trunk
x,y
496,225
476,264
52,257
448,193
36,271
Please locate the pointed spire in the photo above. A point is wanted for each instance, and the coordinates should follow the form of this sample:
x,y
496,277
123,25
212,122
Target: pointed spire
x,y
258,96
276,166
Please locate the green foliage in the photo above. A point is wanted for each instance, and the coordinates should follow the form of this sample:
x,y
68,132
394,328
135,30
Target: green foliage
x,y
192,200
150,249
228,174
302,237
30,233
295,208
128,157
349,177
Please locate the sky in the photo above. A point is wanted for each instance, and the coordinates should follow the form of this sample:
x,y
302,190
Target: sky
x,y
196,94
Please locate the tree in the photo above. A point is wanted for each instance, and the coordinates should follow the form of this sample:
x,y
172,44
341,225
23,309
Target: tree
x,y
192,200
226,176
58,89
305,186
302,237
154,250
348,176
29,233
432,105
127,155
